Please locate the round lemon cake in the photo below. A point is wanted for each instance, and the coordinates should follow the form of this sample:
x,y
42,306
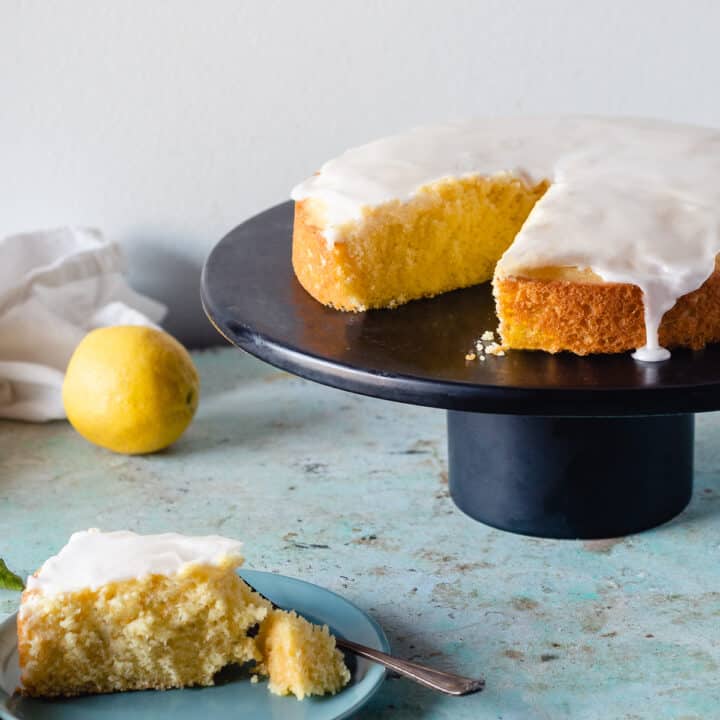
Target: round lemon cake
x,y
600,235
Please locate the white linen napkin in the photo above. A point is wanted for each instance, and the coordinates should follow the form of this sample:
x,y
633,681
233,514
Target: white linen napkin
x,y
56,286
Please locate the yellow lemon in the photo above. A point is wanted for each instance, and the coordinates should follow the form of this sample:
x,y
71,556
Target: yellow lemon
x,y
130,389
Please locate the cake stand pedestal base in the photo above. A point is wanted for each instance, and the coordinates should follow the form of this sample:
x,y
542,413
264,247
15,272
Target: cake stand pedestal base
x,y
564,477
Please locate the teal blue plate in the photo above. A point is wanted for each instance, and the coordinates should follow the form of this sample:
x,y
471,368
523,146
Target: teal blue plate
x,y
237,697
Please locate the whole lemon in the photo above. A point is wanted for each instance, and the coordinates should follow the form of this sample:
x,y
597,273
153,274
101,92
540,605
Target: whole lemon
x,y
130,389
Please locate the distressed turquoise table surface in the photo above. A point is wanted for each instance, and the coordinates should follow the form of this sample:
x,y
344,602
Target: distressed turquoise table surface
x,y
351,493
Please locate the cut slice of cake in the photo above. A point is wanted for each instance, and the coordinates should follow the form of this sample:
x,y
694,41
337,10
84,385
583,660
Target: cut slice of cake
x,y
299,657
120,611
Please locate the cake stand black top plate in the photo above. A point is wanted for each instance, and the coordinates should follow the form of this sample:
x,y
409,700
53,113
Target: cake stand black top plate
x,y
416,353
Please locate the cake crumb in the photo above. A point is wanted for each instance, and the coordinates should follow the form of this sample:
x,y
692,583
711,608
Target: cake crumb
x,y
495,349
486,345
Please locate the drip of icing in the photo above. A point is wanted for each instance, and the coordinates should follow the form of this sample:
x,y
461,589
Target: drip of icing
x,y
92,558
651,354
635,201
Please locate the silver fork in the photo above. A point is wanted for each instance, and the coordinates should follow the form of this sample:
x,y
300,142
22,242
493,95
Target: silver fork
x,y
444,682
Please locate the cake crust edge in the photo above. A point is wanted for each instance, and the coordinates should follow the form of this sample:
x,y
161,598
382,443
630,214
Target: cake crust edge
x,y
317,265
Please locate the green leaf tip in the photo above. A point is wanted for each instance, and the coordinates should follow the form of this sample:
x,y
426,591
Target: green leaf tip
x,y
8,579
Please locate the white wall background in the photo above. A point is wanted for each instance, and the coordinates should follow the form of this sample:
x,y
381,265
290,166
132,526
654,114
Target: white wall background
x,y
167,122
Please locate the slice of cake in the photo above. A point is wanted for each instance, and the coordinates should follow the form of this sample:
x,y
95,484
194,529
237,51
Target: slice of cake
x,y
299,657
601,233
120,611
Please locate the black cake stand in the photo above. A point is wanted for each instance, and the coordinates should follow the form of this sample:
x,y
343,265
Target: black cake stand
x,y
548,445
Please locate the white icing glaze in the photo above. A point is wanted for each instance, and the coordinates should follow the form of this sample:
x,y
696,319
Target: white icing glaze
x,y
92,558
635,201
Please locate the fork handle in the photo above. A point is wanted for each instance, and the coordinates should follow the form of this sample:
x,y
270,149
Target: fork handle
x,y
445,682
